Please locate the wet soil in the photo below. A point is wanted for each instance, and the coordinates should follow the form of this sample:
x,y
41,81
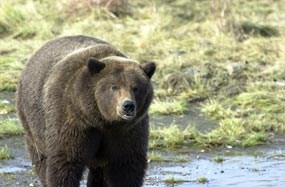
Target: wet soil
x,y
192,117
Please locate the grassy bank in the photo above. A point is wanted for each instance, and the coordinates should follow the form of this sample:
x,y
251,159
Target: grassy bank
x,y
227,56
4,153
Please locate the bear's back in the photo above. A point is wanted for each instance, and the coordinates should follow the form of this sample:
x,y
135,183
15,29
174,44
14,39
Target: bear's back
x,y
36,73
54,51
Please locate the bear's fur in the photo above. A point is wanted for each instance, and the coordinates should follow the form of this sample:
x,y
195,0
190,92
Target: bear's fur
x,y
83,104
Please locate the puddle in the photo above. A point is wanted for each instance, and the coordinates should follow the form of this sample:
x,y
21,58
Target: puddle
x,y
20,161
10,169
236,171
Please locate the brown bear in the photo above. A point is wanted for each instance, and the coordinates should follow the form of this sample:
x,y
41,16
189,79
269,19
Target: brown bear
x,y
83,104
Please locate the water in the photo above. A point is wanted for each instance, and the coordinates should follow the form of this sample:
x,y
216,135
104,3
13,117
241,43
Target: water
x,y
236,171
10,169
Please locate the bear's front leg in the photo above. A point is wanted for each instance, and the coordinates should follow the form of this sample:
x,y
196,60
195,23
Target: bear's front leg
x,y
129,174
63,173
96,178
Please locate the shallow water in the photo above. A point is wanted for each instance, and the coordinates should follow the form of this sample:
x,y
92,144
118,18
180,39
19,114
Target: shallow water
x,y
9,169
237,171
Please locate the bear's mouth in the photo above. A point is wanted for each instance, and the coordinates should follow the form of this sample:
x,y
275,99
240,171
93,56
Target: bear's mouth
x,y
127,110
127,116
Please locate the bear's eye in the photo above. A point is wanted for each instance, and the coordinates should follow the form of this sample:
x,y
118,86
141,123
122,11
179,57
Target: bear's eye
x,y
114,88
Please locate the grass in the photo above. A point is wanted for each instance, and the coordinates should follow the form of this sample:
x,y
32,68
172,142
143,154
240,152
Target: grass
x,y
193,50
249,118
10,127
168,107
231,132
8,82
234,132
180,159
216,111
6,108
4,153
202,180
154,156
171,137
277,156
218,159
173,181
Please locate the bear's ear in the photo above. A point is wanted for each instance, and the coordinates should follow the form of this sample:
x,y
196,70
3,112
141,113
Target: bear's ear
x,y
94,65
149,68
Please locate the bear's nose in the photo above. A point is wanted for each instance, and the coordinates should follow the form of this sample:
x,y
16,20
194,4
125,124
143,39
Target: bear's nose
x,y
129,106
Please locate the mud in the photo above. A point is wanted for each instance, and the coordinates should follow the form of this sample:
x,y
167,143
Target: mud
x,y
192,117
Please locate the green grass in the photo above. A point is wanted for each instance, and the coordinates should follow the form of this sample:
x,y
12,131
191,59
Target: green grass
x,y
277,156
234,132
154,156
4,153
216,111
8,82
10,127
231,132
173,181
171,137
202,180
176,41
6,108
180,159
168,107
218,159
249,118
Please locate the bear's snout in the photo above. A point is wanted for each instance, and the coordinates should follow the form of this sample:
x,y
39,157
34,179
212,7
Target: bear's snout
x,y
128,109
129,106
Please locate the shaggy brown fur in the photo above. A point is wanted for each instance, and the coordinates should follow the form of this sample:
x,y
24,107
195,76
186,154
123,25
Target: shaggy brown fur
x,y
84,104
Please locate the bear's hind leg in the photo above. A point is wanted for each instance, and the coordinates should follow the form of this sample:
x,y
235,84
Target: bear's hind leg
x,y
96,178
39,160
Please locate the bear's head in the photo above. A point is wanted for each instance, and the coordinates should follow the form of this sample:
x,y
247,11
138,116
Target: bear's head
x,y
123,90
